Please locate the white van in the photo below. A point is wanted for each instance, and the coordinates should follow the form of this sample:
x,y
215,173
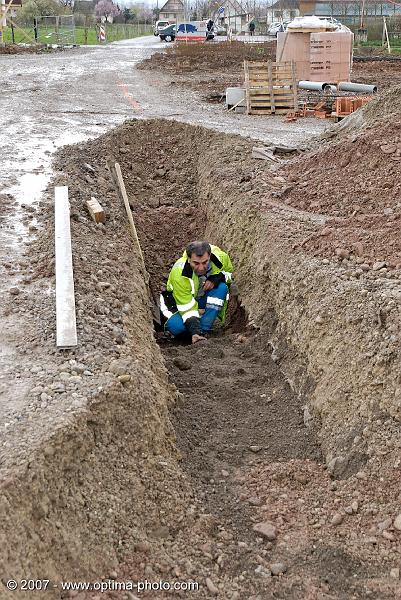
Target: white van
x,y
194,31
161,25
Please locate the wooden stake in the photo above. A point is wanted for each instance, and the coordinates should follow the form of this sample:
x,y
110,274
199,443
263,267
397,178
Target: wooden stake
x,y
387,38
66,327
118,179
129,212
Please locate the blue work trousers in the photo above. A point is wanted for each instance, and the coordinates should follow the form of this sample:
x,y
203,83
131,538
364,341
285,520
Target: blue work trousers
x,y
212,302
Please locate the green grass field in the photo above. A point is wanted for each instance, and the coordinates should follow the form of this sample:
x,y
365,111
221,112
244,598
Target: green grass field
x,y
375,46
83,35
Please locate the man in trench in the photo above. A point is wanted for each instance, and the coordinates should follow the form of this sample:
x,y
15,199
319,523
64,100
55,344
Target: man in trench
x,y
196,291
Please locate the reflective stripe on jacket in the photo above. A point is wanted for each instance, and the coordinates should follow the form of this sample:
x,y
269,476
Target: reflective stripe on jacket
x,y
183,282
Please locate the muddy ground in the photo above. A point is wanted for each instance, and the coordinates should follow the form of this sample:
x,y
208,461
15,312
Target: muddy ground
x,y
249,451
263,463
203,69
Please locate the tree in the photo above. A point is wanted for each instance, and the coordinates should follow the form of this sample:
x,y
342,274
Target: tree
x,y
127,15
106,9
39,8
144,13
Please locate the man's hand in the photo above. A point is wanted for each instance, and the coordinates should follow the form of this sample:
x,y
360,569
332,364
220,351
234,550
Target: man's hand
x,y
208,285
197,338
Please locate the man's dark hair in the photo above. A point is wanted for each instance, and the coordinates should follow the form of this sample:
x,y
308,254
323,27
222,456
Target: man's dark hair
x,y
198,248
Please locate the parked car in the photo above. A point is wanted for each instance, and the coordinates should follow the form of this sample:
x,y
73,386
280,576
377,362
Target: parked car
x,y
167,34
219,30
277,26
159,25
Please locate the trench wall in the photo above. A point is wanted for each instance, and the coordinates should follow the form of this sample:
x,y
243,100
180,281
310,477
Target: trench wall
x,y
88,478
97,479
335,337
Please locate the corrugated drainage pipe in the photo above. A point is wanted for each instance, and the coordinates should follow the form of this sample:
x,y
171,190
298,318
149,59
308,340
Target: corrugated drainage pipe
x,y
348,86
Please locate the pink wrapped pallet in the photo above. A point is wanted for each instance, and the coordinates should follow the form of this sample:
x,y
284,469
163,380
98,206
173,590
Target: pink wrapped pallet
x,y
318,55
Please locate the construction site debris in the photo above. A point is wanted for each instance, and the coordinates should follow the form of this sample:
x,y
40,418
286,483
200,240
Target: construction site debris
x,y
318,56
95,210
350,86
263,153
270,87
346,105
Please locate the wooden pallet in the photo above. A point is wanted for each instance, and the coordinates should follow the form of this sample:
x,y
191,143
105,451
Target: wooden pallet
x,y
270,88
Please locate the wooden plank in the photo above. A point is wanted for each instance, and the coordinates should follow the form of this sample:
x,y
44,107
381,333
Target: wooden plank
x,y
294,85
95,210
270,108
257,64
271,88
66,327
267,101
266,92
129,213
269,112
259,91
246,70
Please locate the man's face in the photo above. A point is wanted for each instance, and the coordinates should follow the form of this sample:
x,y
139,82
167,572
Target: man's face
x,y
199,263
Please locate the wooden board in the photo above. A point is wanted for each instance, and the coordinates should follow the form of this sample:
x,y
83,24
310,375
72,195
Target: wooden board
x,y
270,88
95,210
66,327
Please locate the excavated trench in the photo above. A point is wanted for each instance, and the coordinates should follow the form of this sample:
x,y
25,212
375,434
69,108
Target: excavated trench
x,y
233,462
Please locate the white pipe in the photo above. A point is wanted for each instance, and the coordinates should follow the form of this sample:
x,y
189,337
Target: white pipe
x,y
319,86
348,86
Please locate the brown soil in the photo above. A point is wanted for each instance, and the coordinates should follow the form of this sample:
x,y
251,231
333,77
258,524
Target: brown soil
x,y
248,451
384,74
16,49
353,182
289,417
208,68
211,68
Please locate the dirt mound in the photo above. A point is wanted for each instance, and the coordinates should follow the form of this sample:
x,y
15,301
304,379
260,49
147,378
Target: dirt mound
x,y
354,182
383,108
208,68
20,49
384,74
211,57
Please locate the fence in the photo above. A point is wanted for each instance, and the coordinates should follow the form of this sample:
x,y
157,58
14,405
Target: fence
x,y
58,30
62,31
